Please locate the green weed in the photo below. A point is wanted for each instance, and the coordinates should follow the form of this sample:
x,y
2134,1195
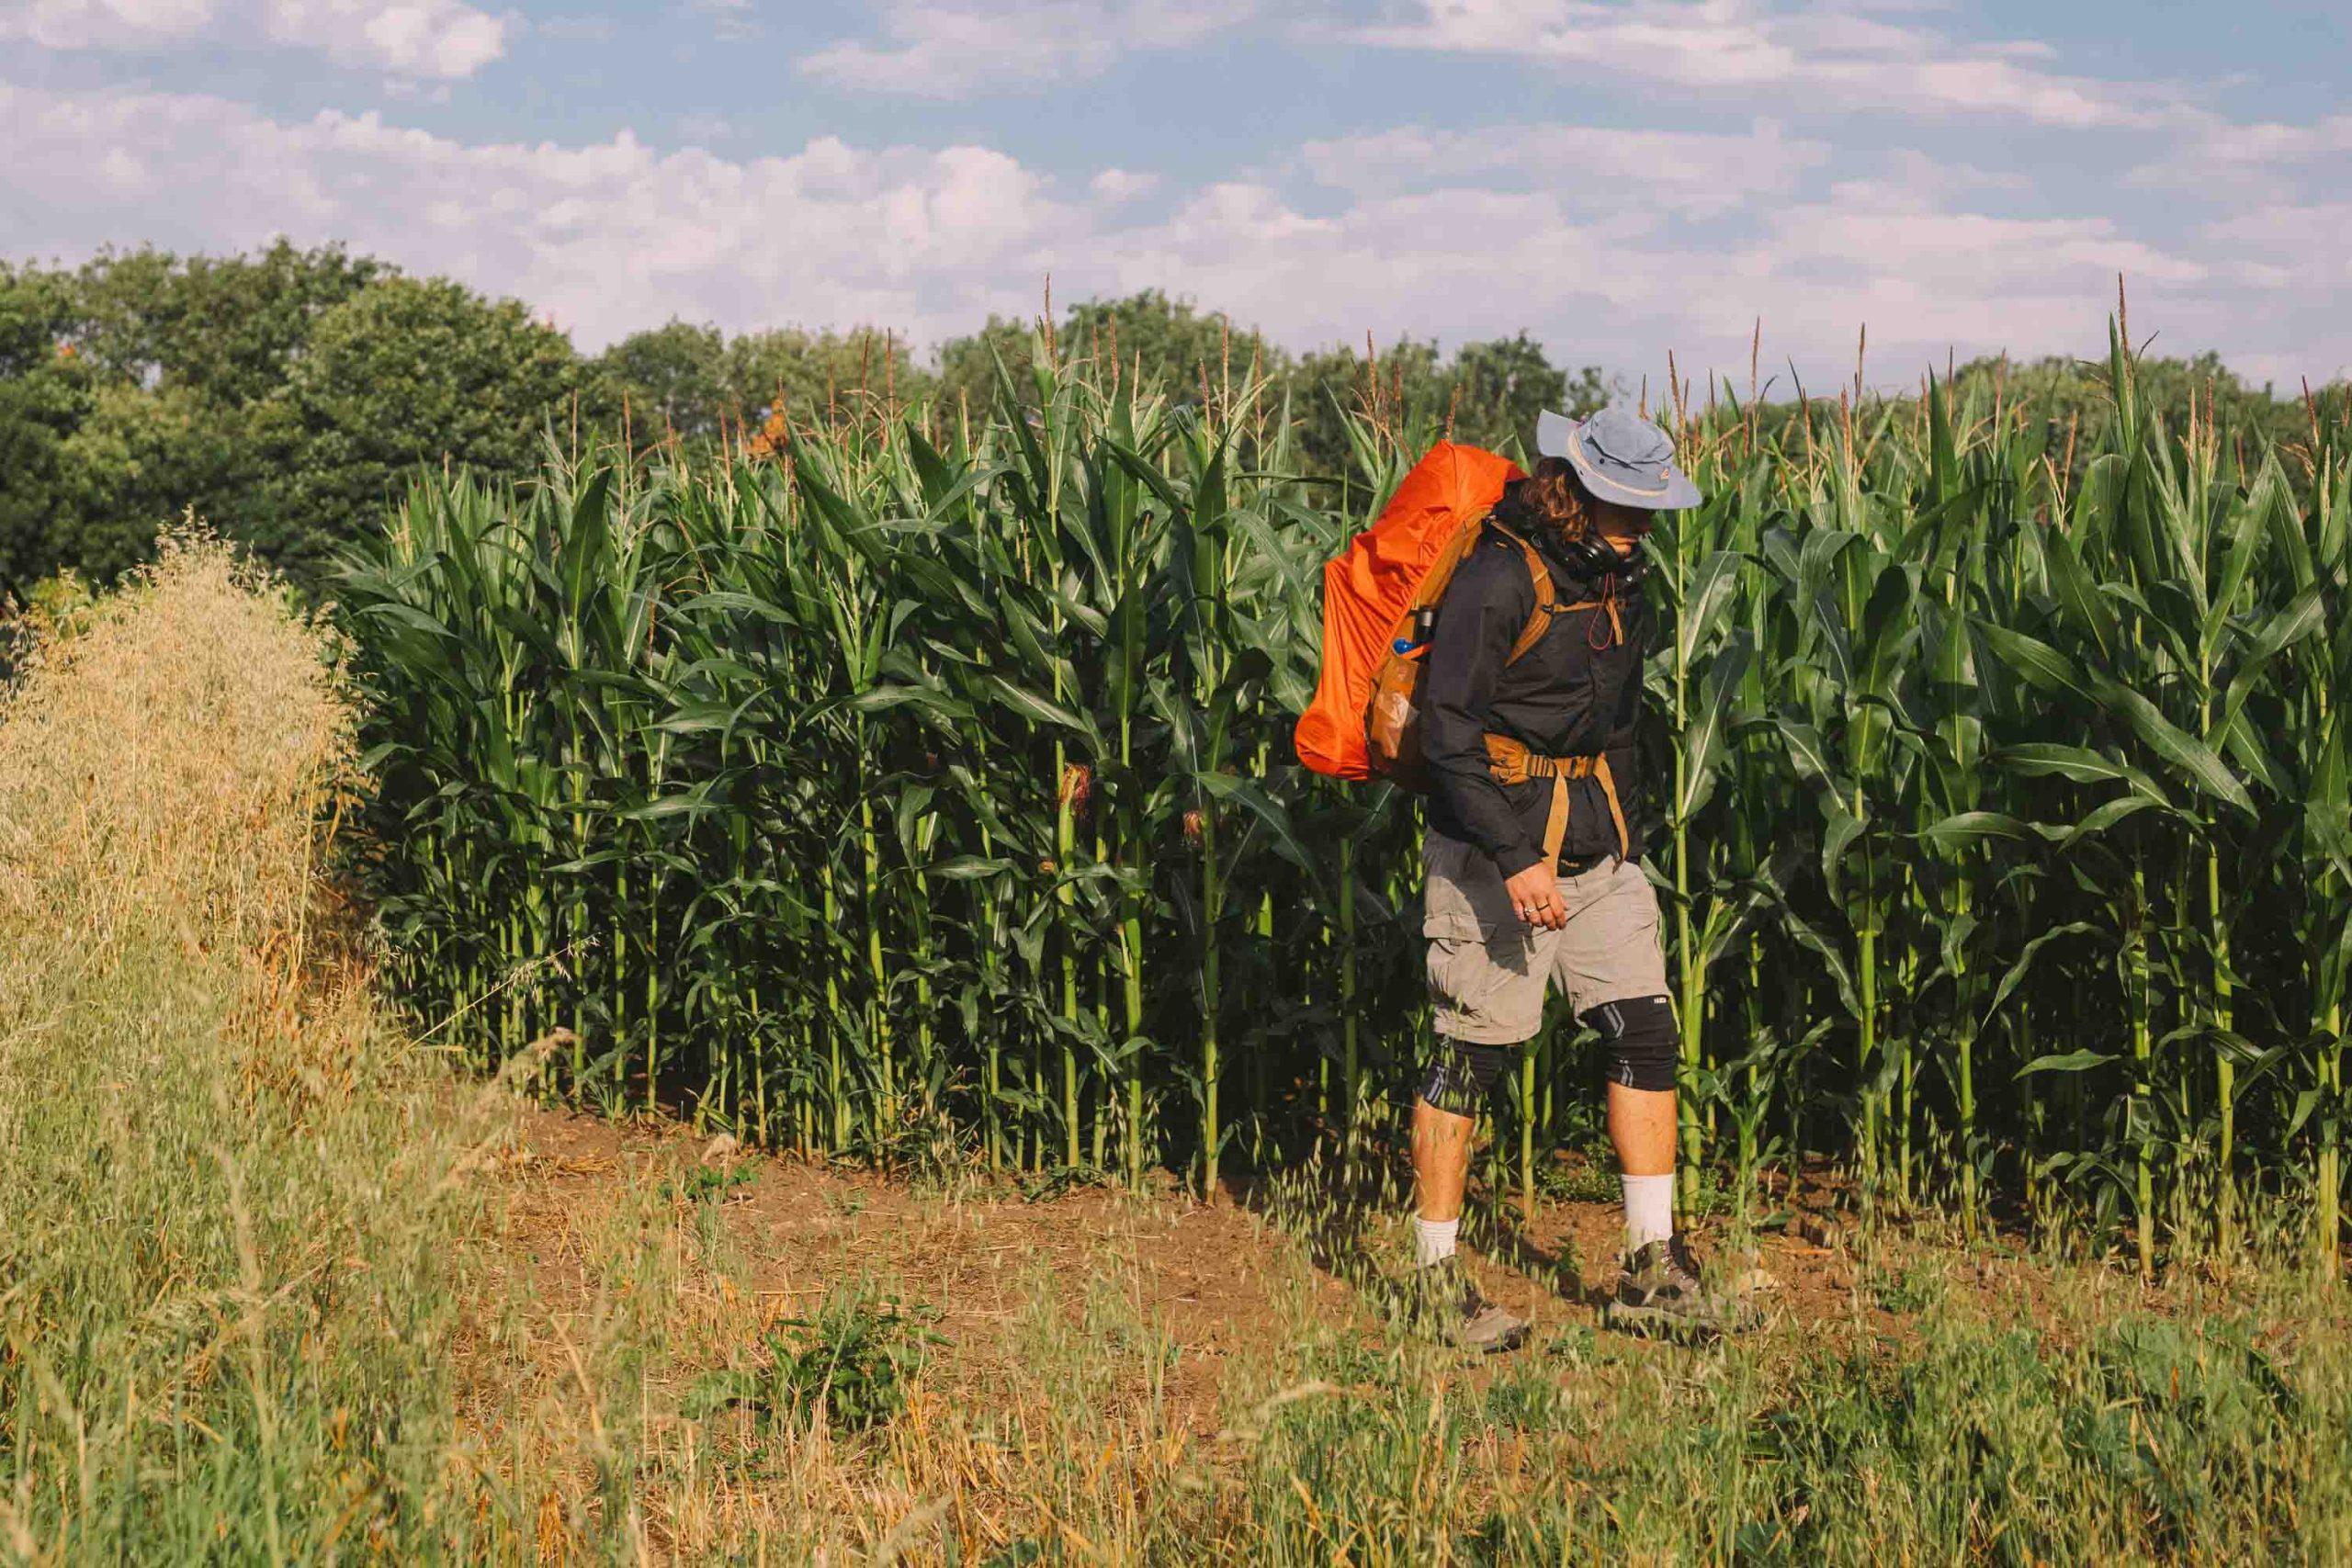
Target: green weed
x,y
708,1183
854,1362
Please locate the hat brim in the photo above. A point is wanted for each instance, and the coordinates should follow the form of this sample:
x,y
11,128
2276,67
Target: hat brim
x,y
1679,492
1559,437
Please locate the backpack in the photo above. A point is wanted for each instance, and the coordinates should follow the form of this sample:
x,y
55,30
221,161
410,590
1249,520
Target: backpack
x,y
1380,597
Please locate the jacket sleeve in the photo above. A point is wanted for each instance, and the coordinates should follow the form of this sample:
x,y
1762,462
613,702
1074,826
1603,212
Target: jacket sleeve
x,y
1485,608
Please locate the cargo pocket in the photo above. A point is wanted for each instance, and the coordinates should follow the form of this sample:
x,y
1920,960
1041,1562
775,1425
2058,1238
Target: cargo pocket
x,y
1459,979
1447,914
1484,993
1462,899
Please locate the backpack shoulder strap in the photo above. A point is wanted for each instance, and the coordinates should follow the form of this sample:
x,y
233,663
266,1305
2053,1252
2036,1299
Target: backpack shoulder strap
x,y
1546,596
1439,575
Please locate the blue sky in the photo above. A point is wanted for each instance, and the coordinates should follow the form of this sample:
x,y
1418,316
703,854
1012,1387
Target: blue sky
x,y
1619,177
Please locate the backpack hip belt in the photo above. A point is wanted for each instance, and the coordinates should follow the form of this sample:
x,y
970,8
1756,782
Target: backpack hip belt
x,y
1512,762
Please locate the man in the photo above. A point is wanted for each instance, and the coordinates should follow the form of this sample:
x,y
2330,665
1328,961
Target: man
x,y
1532,873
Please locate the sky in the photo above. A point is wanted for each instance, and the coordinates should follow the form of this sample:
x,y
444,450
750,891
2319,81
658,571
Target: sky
x,y
1619,178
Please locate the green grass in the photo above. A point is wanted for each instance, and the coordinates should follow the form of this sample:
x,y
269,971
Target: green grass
x,y
2148,1440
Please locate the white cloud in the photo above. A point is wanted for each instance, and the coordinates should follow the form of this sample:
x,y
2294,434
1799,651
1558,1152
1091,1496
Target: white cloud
x,y
584,29
615,235
1824,59
1686,172
2272,144
1622,291
1117,185
103,24
732,19
2292,245
413,38
948,49
2244,166
608,236
2290,270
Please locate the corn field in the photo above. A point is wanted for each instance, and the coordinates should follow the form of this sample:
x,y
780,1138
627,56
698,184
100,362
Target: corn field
x,y
925,774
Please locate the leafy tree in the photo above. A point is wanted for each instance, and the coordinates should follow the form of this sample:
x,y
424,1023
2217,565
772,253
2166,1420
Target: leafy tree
x,y
693,382
834,376
45,392
1175,344
1399,384
2071,399
138,459
224,327
2074,398
405,373
1488,395
135,387
967,365
674,377
1496,389
1171,342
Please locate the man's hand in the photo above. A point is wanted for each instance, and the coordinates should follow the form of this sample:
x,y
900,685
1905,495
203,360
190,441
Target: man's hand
x,y
1535,895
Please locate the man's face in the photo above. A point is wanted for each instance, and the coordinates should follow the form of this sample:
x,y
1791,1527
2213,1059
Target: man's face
x,y
1622,526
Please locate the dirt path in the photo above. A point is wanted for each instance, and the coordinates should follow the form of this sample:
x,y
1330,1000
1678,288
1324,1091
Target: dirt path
x,y
988,1260
1107,1354
1001,1269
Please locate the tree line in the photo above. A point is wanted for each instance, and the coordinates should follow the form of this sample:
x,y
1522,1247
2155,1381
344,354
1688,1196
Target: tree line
x,y
289,396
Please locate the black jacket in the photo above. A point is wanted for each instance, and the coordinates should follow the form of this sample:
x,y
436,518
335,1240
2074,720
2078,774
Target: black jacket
x,y
1564,698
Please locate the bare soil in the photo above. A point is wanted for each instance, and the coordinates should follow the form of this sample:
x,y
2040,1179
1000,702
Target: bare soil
x,y
1104,1349
1216,1279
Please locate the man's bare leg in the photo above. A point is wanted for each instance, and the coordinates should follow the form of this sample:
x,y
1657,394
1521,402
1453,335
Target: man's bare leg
x,y
1660,1289
1441,1161
1440,1171
1445,1114
1641,1124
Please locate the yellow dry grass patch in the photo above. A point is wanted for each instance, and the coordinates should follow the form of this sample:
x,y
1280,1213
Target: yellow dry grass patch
x,y
167,764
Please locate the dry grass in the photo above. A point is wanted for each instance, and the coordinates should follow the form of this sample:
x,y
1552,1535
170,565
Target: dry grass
x,y
163,763
209,1153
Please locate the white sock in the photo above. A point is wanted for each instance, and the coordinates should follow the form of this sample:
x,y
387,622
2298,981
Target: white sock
x,y
1649,1210
1433,1240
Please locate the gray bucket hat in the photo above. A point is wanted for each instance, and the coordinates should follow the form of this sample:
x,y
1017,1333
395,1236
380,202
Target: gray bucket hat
x,y
1621,458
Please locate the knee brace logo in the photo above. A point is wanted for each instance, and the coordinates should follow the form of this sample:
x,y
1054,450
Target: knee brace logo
x,y
1639,1035
1460,1076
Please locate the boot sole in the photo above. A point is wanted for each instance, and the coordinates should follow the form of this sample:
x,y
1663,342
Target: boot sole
x,y
1505,1343
1453,1338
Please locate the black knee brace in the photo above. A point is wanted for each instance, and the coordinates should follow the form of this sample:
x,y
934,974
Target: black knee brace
x,y
1460,1075
1639,1033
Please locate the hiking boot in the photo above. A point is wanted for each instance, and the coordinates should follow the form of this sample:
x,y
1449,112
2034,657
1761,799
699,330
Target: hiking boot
x,y
1446,1304
1660,1293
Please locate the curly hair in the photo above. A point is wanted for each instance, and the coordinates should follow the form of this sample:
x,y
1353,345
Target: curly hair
x,y
1553,495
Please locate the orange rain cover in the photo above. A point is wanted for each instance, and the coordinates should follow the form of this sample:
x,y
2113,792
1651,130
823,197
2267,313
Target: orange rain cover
x,y
1367,589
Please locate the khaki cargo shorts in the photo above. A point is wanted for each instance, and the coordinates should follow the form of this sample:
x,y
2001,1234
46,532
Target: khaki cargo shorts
x,y
1489,969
